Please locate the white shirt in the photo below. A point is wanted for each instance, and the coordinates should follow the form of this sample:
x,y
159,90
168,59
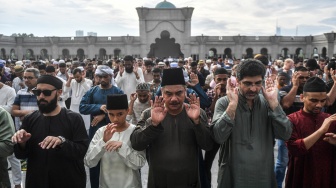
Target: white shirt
x,y
16,83
118,168
7,97
138,108
78,89
128,82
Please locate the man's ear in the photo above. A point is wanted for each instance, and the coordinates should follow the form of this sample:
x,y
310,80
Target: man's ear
x,y
301,97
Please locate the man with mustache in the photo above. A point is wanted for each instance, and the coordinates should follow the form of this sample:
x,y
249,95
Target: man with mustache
x,y
94,103
312,143
52,138
245,123
173,132
129,76
78,85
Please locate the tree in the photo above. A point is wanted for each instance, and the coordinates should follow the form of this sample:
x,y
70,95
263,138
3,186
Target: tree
x,y
22,35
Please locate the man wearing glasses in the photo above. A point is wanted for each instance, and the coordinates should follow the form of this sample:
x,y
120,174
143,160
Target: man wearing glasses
x,y
25,101
245,123
51,139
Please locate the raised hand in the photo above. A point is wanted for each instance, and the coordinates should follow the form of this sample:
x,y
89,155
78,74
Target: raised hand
x,y
332,74
295,79
133,97
231,92
158,111
193,108
21,136
103,108
113,145
270,92
217,90
193,79
110,129
50,142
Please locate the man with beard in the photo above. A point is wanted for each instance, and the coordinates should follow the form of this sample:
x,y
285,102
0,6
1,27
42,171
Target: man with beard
x,y
220,77
78,85
18,82
148,76
62,71
245,123
173,132
52,139
129,76
89,71
156,82
139,102
94,103
312,144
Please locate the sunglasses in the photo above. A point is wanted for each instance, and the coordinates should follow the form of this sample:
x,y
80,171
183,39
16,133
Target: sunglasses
x,y
46,93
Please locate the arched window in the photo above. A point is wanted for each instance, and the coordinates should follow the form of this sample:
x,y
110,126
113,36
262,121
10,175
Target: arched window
x,y
12,54
102,53
228,53
285,52
264,52
80,54
44,54
324,52
116,53
29,54
249,53
65,53
3,53
212,52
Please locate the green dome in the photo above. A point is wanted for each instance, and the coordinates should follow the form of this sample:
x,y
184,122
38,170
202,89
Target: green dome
x,y
165,4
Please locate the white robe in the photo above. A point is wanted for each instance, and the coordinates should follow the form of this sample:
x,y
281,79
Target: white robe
x,y
117,168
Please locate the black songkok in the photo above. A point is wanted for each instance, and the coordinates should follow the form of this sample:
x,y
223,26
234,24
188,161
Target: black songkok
x,y
117,102
172,77
314,84
51,80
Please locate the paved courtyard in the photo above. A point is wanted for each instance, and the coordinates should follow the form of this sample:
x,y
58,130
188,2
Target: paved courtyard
x,y
144,172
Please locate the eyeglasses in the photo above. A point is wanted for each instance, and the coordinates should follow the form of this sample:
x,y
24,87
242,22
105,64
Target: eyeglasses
x,y
28,77
250,84
46,93
302,77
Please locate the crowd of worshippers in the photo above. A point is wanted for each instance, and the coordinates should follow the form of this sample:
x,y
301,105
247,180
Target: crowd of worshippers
x,y
78,123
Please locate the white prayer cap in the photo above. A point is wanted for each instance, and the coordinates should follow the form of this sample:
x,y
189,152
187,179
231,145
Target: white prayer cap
x,y
103,69
173,65
208,61
61,61
19,63
55,63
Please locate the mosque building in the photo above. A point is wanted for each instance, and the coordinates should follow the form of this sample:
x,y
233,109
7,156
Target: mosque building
x,y
166,31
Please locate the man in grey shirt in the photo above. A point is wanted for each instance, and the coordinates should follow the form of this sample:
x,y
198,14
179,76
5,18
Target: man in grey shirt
x,y
245,123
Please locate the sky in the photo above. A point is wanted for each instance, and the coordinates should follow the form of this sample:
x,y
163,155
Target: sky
x,y
210,17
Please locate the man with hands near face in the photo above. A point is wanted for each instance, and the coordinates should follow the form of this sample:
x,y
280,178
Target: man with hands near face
x,y
173,132
245,123
312,143
120,163
51,139
139,102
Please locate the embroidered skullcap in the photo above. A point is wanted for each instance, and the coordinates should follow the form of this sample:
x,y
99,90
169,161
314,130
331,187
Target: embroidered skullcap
x,y
51,80
143,86
314,84
104,69
116,102
172,77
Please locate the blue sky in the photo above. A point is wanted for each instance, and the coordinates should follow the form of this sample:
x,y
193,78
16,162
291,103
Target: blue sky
x,y
211,17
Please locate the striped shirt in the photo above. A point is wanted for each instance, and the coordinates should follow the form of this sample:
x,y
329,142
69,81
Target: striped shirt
x,y
26,100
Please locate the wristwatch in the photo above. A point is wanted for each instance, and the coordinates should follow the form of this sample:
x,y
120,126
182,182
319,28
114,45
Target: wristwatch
x,y
62,139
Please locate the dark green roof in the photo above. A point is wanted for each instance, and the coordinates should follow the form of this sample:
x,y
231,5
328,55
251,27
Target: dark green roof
x,y
165,4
